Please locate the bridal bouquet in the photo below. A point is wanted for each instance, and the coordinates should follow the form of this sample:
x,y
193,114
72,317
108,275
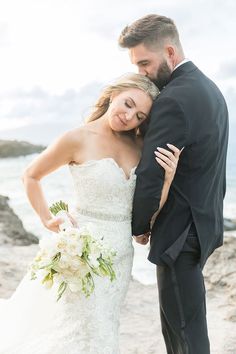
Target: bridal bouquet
x,y
72,257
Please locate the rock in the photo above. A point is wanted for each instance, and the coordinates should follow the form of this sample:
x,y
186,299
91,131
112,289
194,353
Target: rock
x,y
231,315
14,262
229,225
14,148
220,271
12,231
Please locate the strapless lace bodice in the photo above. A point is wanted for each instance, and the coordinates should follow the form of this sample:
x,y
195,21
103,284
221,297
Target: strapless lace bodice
x,y
103,189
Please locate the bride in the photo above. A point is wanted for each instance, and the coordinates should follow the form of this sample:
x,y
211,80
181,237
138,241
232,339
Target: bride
x,y
102,156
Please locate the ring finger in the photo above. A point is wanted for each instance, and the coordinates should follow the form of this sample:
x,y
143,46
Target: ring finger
x,y
167,160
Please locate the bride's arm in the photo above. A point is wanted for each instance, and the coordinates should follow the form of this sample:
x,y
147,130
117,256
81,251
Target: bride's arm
x,y
59,153
169,162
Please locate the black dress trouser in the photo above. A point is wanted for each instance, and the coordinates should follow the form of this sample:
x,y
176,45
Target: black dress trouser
x,y
182,302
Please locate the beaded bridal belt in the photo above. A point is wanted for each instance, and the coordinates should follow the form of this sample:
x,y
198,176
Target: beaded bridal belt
x,y
103,216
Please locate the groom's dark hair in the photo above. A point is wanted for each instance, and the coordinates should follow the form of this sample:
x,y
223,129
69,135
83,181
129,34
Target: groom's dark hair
x,y
151,30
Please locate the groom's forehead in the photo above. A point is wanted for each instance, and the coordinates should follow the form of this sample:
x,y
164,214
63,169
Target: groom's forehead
x,y
140,53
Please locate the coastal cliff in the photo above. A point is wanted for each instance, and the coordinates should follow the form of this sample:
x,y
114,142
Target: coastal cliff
x,y
15,148
12,231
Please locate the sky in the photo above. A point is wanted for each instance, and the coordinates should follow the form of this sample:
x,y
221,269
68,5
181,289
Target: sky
x,y
56,55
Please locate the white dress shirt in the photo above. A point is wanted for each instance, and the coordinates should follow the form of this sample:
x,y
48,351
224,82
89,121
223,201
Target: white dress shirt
x,y
181,63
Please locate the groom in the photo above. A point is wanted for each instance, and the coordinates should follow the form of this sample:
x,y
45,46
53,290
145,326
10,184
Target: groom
x,y
190,112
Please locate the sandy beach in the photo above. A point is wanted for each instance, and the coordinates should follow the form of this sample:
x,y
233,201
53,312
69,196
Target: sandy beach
x,y
140,326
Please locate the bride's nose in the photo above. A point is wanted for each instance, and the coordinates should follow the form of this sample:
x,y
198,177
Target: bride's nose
x,y
129,115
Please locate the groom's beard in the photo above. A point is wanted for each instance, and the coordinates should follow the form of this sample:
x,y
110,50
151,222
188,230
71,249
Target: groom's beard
x,y
163,76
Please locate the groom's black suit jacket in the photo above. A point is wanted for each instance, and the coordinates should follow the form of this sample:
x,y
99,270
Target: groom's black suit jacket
x,y
190,112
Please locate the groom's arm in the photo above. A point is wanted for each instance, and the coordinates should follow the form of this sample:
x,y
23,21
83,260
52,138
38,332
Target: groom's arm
x,y
167,125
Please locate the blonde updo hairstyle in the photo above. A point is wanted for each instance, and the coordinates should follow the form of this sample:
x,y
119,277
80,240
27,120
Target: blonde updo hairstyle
x,y
123,83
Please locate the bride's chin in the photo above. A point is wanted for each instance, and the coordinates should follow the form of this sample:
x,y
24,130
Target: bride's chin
x,y
115,127
116,124
116,130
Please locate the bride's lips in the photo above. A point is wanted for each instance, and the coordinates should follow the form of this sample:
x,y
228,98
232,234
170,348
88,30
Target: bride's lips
x,y
123,122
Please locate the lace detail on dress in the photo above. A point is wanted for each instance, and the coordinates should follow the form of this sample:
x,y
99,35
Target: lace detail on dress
x,y
102,216
103,187
32,322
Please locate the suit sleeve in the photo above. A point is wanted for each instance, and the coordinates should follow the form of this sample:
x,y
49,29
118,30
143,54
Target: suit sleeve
x,y
168,124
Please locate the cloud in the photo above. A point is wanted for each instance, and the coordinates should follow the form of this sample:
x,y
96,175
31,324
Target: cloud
x,y
60,68
38,116
126,12
207,28
4,34
81,45
230,96
39,106
197,18
227,70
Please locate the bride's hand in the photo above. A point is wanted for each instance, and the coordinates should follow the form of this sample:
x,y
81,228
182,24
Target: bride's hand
x,y
168,160
54,223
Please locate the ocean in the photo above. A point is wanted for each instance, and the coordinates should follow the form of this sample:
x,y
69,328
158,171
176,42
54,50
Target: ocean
x,y
59,185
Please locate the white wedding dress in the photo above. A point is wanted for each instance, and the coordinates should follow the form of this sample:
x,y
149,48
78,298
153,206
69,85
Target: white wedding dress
x,y
32,322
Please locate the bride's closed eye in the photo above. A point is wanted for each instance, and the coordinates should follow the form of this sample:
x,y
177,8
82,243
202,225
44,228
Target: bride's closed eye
x,y
140,116
129,105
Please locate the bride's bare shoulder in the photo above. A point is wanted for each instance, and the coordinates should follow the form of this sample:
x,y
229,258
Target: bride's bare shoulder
x,y
77,135
85,129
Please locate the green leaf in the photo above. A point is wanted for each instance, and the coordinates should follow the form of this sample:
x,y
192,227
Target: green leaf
x,y
61,290
47,278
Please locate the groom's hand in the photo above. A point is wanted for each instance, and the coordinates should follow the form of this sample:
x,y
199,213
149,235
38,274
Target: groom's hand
x,y
142,239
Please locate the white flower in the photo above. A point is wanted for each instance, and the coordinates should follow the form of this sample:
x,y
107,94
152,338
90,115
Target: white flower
x,y
75,286
83,270
48,284
64,261
93,261
71,231
62,214
49,245
75,263
79,248
41,274
71,259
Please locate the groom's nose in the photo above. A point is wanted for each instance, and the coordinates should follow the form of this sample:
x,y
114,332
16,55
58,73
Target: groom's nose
x,y
142,71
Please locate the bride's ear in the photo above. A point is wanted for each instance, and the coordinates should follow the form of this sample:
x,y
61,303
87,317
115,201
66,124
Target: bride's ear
x,y
113,95
111,98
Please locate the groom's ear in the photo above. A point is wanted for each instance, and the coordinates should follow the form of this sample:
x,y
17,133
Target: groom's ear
x,y
170,51
171,55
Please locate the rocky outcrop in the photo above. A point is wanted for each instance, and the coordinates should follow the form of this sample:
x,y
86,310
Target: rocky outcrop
x,y
12,231
229,225
14,148
14,262
17,248
220,270
220,274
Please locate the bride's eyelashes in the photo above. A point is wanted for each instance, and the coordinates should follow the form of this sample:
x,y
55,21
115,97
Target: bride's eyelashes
x,y
139,116
128,104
